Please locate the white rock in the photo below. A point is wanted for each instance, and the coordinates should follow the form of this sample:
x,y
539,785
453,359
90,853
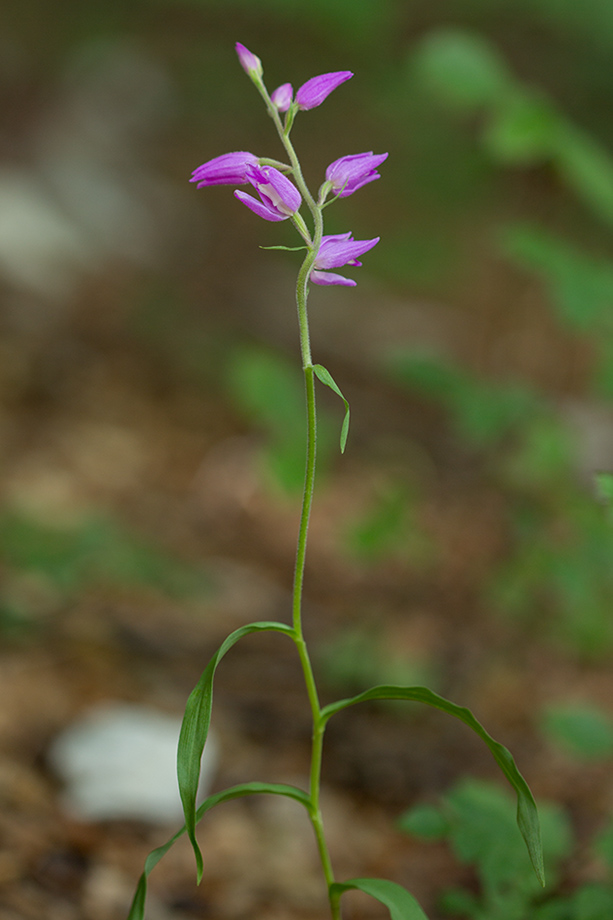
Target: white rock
x,y
119,761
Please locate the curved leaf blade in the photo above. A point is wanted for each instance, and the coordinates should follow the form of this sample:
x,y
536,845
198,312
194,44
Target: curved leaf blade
x,y
195,728
527,814
400,903
324,375
137,909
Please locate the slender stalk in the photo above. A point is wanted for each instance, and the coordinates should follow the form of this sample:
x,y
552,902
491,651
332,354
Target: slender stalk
x,y
302,293
307,501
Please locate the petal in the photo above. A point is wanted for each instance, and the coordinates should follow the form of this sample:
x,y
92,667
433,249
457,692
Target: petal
x,y
275,187
258,207
349,188
334,237
330,278
314,91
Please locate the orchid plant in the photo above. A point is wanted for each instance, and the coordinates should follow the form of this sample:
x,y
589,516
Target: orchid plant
x,y
282,191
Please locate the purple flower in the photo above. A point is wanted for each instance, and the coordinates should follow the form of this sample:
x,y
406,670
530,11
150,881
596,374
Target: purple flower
x,y
281,97
350,173
228,169
337,250
279,197
314,91
250,62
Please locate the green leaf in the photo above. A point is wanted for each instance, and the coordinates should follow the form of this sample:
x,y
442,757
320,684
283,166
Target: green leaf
x,y
603,846
268,388
401,904
527,814
195,728
326,377
604,484
137,910
587,168
483,411
584,730
463,69
425,821
286,248
482,832
580,286
524,130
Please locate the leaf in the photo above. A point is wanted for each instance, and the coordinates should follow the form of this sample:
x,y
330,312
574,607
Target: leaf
x,y
463,69
326,377
527,815
137,910
587,168
195,728
400,903
424,821
580,285
604,484
524,130
286,248
584,730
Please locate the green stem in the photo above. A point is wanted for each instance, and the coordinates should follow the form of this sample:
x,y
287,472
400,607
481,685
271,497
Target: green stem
x,y
302,293
307,501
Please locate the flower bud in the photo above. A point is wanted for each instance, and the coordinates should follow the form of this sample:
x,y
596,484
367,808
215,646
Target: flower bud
x,y
281,97
227,169
250,62
314,91
350,173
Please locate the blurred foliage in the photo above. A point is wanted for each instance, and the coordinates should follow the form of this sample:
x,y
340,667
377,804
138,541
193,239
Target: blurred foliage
x,y
389,528
478,820
269,390
60,561
584,730
482,412
521,126
558,576
363,657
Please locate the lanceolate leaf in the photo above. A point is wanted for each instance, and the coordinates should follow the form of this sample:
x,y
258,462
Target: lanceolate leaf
x,y
527,815
326,377
195,728
137,910
401,904
286,248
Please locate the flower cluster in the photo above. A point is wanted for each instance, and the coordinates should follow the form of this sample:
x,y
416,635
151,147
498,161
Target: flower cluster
x,y
279,199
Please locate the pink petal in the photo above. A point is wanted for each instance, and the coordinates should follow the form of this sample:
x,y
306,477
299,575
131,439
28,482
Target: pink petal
x,y
258,207
331,278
